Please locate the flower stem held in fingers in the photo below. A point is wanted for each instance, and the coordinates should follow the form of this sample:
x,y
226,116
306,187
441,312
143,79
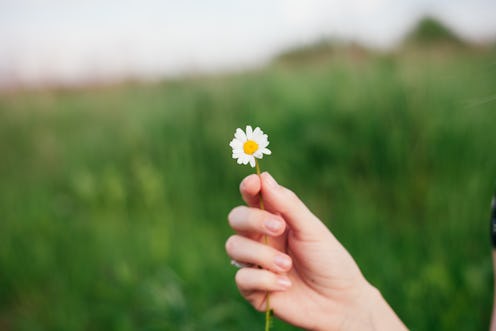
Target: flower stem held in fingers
x,y
247,147
266,242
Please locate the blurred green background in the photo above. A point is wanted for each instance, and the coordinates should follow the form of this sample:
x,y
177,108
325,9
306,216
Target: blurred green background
x,y
113,200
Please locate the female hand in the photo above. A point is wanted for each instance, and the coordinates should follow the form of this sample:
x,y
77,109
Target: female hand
x,y
313,281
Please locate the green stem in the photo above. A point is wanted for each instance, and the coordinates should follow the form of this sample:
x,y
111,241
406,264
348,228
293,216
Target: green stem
x,y
266,242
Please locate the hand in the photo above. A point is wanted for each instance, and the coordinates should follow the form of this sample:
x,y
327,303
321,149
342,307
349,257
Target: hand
x,y
313,281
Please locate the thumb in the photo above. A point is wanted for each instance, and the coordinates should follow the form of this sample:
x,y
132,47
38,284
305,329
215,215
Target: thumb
x,y
279,199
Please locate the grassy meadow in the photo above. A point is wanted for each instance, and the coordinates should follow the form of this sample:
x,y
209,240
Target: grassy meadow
x,y
113,200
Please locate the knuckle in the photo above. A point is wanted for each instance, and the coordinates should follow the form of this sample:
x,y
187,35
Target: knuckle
x,y
259,303
255,218
257,300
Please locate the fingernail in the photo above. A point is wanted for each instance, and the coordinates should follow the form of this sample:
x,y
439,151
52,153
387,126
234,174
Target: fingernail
x,y
273,224
282,261
270,181
284,282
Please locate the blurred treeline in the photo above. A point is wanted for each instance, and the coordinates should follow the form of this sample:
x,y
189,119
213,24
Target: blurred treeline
x,y
113,200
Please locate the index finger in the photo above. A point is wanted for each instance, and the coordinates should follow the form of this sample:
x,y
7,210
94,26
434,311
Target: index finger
x,y
250,188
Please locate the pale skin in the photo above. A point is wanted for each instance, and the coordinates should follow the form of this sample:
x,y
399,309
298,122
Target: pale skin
x,y
313,281
492,326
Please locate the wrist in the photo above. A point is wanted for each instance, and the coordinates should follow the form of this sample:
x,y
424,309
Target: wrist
x,y
371,312
355,312
368,310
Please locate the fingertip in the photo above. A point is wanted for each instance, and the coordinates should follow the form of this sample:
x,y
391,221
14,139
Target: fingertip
x,y
229,244
250,185
235,211
268,180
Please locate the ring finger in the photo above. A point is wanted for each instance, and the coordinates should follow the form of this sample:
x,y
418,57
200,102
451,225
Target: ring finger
x,y
246,250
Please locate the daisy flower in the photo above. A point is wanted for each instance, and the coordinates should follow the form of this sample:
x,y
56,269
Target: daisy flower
x,y
246,146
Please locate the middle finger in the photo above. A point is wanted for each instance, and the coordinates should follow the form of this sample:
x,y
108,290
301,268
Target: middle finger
x,y
256,221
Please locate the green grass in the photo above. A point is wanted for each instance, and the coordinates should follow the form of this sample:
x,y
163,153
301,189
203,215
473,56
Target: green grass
x,y
113,201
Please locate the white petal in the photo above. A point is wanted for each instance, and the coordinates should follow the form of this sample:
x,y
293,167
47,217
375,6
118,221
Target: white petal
x,y
240,160
249,132
266,151
263,137
262,140
264,144
240,135
257,132
258,136
258,154
252,162
237,149
235,143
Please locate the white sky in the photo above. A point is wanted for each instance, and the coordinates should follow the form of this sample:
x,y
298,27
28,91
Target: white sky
x,y
66,41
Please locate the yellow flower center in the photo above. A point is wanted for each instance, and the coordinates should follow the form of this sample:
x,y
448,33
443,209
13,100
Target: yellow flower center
x,y
250,147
